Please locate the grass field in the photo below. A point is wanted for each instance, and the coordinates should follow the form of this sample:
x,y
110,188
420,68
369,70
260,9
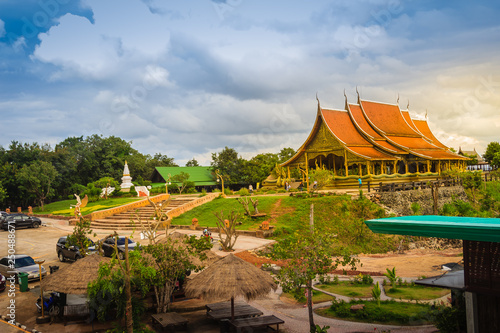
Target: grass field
x,y
415,292
336,214
389,312
346,288
318,297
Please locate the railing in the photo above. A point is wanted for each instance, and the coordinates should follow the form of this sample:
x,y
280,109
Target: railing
x,y
392,187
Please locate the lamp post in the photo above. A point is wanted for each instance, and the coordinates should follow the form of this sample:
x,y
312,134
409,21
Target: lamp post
x,y
167,182
219,176
39,262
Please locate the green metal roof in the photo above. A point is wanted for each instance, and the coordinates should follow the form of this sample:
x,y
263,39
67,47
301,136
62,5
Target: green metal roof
x,y
200,175
454,227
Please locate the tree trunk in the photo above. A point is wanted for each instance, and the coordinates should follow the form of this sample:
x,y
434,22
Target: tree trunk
x,y
309,307
435,196
128,293
244,202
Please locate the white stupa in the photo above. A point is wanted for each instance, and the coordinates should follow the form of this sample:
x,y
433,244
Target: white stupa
x,y
126,179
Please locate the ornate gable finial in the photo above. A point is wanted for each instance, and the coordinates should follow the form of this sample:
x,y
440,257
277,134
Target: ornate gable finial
x,y
357,92
346,105
408,105
425,114
319,105
397,101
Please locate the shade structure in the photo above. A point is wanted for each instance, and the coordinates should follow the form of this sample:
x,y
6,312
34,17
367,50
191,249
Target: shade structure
x,y
74,278
228,278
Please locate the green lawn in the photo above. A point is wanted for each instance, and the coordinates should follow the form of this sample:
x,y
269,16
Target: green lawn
x,y
389,312
346,288
415,292
318,297
63,207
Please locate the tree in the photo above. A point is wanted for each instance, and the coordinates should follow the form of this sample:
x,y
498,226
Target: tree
x,y
492,154
391,275
37,178
192,163
182,180
163,264
228,227
323,177
229,165
310,254
285,154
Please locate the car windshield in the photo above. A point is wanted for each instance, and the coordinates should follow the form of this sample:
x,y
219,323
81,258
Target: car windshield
x,y
24,261
121,241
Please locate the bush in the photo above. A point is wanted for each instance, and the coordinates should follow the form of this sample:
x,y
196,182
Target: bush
x,y
340,308
243,192
132,191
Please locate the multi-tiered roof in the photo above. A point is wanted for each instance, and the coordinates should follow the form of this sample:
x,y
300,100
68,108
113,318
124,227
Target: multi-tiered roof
x,y
372,132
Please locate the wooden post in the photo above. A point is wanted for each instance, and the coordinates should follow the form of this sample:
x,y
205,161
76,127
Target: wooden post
x,y
368,184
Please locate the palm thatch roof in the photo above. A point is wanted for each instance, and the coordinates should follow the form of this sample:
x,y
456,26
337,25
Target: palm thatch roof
x,y
230,277
211,256
74,278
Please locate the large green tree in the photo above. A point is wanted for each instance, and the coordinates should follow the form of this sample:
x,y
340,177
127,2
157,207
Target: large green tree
x,y
38,178
229,165
310,254
492,154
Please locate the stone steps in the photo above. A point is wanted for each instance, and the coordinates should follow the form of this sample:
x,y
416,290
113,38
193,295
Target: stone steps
x,y
123,220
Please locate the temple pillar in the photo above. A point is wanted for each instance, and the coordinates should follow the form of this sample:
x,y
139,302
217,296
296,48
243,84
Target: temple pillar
x,y
307,172
406,166
439,167
360,169
428,166
394,166
345,163
368,167
382,168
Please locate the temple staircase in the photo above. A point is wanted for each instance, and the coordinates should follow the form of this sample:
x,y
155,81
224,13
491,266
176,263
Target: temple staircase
x,y
128,220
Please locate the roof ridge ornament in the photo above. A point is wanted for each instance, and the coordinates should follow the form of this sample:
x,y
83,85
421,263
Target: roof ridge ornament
x,y
397,101
359,98
346,104
408,105
426,114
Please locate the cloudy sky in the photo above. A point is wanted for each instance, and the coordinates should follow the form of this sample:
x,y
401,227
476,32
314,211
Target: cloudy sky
x,y
187,78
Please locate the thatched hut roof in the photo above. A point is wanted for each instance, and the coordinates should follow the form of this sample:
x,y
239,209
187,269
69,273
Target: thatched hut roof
x,y
179,237
74,278
230,277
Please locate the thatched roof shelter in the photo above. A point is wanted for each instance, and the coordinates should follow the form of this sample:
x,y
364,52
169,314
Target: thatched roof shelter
x,y
228,278
74,278
179,237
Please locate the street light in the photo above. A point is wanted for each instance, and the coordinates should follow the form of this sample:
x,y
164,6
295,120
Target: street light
x,y
167,182
39,262
219,176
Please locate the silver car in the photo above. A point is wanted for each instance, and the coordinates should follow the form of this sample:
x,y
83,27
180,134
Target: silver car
x,y
15,264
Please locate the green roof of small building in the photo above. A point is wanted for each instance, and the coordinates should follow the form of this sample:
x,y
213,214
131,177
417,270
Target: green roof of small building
x,y
453,227
200,175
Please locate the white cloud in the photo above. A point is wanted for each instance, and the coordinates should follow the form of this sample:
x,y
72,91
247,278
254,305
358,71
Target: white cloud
x,y
124,33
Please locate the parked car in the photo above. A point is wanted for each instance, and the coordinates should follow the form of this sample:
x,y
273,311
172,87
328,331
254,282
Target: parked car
x,y
18,263
3,282
108,246
71,252
20,220
3,215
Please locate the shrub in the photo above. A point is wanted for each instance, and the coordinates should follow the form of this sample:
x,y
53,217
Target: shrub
x,y
243,192
340,308
132,191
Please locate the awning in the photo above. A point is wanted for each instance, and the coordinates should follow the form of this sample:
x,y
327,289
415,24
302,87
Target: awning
x,y
453,227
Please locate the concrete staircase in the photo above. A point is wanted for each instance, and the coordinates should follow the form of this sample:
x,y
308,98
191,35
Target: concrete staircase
x,y
125,220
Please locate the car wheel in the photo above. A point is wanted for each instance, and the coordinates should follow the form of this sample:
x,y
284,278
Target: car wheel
x,y
35,225
61,256
121,255
54,310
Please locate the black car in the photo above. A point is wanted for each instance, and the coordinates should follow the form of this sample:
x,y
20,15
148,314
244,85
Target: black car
x,y
108,246
20,221
71,252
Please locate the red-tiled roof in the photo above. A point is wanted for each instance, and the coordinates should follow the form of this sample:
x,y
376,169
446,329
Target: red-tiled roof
x,y
360,119
412,143
390,147
439,154
341,126
423,127
371,153
406,116
387,118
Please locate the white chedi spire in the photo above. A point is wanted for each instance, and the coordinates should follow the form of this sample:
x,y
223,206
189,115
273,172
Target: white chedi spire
x,y
126,179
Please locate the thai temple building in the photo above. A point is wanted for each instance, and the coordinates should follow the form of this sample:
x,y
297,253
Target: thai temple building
x,y
372,140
